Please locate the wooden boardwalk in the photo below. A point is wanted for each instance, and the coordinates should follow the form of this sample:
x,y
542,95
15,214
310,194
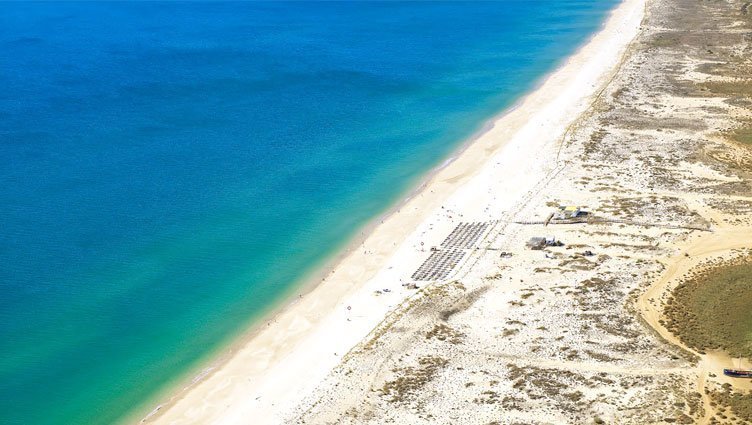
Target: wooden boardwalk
x,y
465,235
604,220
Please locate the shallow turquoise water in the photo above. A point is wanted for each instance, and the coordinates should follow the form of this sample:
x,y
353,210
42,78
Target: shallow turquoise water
x,y
170,170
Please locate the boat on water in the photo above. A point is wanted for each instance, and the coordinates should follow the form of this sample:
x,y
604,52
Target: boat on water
x,y
738,373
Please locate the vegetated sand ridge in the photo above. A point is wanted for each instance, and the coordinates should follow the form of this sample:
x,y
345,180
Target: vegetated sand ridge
x,y
567,334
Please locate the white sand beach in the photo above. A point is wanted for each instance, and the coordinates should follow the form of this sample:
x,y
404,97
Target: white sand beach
x,y
283,362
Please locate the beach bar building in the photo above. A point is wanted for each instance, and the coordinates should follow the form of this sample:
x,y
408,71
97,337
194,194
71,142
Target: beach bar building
x,y
567,212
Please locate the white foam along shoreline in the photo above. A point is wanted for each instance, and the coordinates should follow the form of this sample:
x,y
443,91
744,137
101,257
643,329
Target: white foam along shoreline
x,y
280,364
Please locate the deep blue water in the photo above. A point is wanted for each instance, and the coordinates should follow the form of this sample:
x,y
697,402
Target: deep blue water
x,y
170,170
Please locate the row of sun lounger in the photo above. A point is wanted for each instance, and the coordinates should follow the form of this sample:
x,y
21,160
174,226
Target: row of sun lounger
x,y
465,235
441,262
438,265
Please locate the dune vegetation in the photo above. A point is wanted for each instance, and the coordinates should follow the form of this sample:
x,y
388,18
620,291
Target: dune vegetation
x,y
710,309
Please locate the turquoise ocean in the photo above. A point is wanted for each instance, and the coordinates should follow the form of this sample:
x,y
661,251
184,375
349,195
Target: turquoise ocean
x,y
171,171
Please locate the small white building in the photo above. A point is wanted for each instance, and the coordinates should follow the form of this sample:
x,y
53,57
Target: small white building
x,y
567,212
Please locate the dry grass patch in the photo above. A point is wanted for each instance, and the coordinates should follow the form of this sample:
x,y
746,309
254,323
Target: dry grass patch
x,y
412,379
443,332
742,135
710,309
731,406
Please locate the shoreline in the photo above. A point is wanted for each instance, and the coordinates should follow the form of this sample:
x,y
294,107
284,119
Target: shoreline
x,y
557,336
462,166
307,284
